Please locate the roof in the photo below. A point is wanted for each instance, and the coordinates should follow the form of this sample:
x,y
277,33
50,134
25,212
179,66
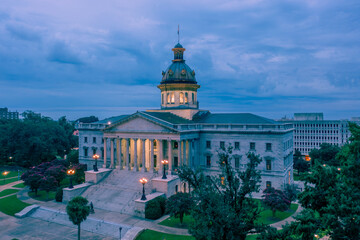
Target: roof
x,y
112,119
168,117
179,72
234,118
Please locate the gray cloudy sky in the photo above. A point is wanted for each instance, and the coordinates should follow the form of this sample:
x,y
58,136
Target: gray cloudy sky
x,y
104,58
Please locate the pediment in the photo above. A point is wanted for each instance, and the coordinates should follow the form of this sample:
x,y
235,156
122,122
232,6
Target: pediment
x,y
138,124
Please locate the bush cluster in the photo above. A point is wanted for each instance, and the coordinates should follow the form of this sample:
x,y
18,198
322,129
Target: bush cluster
x,y
155,208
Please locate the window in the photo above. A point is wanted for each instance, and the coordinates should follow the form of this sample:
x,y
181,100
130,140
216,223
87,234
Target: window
x,y
155,144
85,139
268,165
186,98
208,144
237,145
192,97
208,161
252,146
268,147
176,145
222,145
176,162
85,152
102,140
237,162
168,98
155,161
172,98
268,184
181,97
94,139
94,151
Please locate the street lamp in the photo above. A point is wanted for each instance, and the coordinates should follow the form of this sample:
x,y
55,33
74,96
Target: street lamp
x,y
71,172
5,173
316,236
96,157
164,162
143,181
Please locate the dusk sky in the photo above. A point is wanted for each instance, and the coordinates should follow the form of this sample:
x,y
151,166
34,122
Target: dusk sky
x,y
104,58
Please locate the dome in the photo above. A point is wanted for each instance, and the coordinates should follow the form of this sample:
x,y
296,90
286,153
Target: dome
x,y
178,71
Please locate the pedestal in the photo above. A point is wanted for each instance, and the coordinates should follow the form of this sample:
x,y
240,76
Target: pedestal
x,y
95,177
141,204
70,193
167,186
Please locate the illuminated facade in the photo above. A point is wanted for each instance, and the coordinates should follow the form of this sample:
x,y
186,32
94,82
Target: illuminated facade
x,y
183,134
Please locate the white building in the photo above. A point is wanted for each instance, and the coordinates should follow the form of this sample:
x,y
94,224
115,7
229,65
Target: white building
x,y
185,135
311,130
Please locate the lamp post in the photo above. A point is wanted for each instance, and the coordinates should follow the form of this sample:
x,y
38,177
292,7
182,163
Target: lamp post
x,y
164,162
71,172
96,157
143,181
5,173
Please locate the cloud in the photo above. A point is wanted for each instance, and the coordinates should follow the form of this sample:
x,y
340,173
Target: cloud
x,y
23,32
62,53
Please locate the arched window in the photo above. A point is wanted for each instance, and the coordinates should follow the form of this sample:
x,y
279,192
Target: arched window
x,y
162,98
181,97
186,97
168,98
172,98
192,98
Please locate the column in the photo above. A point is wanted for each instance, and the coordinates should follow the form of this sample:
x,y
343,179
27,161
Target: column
x,y
105,148
179,153
160,154
152,168
191,153
111,153
170,156
118,153
127,163
184,152
143,169
136,167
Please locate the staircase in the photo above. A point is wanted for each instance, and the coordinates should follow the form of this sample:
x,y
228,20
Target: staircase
x,y
118,191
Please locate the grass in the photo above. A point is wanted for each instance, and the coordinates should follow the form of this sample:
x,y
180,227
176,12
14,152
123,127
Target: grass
x,y
175,222
154,235
7,192
7,180
267,218
264,217
13,174
41,196
11,205
299,177
20,185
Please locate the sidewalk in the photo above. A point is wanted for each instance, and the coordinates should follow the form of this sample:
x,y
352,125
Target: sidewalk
x,y
10,185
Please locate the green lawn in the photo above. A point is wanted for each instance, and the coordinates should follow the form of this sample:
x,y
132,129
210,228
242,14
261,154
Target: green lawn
x,y
41,196
20,185
7,180
11,205
7,192
175,222
265,217
154,235
13,174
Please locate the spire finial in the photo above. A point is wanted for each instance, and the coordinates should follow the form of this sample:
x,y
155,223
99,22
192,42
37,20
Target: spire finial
x,y
178,33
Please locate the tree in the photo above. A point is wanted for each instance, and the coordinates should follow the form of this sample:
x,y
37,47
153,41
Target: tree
x,y
306,225
48,183
299,163
78,210
291,192
276,200
179,204
224,208
88,119
32,178
326,154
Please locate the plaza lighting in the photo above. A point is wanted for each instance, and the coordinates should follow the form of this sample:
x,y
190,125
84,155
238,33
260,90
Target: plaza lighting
x,y
4,174
316,236
143,181
339,169
324,165
70,173
96,157
164,162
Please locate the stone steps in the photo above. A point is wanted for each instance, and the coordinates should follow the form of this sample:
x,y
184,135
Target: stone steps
x,y
118,191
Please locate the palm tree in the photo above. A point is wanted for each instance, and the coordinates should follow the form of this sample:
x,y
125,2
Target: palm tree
x,y
78,210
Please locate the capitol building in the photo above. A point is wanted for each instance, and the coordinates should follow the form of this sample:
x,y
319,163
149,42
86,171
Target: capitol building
x,y
184,134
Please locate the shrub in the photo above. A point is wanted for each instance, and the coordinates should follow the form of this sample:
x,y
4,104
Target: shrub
x,y
59,195
153,210
162,202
